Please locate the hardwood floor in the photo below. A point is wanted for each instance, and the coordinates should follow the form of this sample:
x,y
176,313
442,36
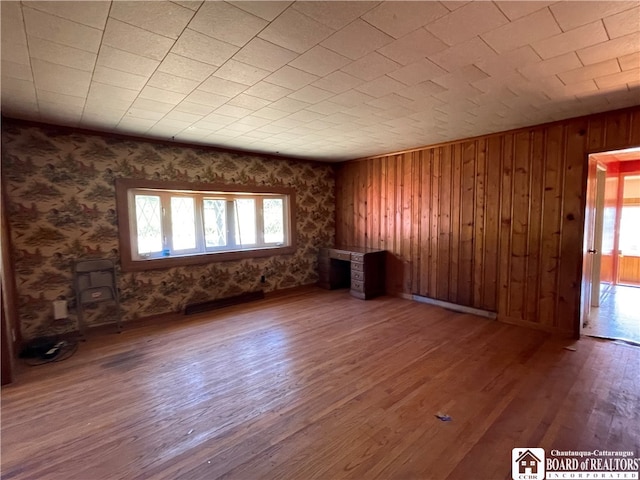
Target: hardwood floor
x,y
317,385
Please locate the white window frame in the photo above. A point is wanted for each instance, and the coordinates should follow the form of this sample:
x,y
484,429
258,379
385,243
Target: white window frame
x,y
233,244
127,189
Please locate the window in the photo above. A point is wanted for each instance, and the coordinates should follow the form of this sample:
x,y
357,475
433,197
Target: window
x,y
166,224
630,216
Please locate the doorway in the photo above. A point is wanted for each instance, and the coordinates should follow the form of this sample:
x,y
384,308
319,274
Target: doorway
x,y
612,247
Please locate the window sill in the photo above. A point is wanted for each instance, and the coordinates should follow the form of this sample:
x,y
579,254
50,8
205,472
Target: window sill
x,y
129,265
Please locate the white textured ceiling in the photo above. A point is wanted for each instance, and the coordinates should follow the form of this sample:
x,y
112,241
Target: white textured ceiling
x,y
323,80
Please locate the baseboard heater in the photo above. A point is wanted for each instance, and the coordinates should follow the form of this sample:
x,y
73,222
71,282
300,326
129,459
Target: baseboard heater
x,y
223,302
455,307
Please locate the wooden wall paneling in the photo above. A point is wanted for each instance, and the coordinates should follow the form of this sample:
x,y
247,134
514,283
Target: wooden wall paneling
x,y
551,224
456,224
468,206
570,271
492,221
520,224
390,237
415,252
423,213
479,223
506,226
536,208
395,228
403,217
597,131
376,177
629,270
362,204
617,129
444,224
396,221
387,196
456,199
634,129
368,166
384,205
435,156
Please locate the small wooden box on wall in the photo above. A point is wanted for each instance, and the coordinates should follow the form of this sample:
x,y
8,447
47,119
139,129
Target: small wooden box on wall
x,y
359,269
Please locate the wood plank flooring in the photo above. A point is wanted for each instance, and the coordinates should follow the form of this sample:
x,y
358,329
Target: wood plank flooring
x,y
317,385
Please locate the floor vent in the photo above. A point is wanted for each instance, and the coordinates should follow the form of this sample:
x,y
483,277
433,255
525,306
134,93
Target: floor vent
x,y
223,302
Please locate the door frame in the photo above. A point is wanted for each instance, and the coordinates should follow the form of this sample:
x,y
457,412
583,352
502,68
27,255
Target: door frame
x,y
586,270
601,178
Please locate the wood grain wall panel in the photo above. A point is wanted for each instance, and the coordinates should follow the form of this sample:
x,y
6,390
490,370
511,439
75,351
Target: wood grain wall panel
x,y
374,212
478,221
629,270
534,258
491,251
360,206
617,130
434,240
634,129
519,224
551,225
572,223
416,220
506,226
454,241
406,242
494,222
443,204
597,134
468,208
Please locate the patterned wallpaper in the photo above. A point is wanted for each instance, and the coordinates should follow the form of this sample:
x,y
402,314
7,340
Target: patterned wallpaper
x,y
61,207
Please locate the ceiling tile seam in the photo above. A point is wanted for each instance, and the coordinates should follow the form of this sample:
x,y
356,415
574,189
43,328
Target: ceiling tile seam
x,y
123,51
27,35
556,20
217,68
343,28
147,30
95,64
502,12
60,17
194,12
33,77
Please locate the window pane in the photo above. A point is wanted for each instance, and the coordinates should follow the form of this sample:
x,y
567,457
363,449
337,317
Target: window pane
x,y
215,222
148,223
245,221
183,223
273,220
630,231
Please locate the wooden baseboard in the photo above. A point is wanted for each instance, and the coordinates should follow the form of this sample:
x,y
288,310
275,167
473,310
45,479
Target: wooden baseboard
x,y
536,326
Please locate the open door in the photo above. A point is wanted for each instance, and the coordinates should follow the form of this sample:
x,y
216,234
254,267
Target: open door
x,y
588,245
599,228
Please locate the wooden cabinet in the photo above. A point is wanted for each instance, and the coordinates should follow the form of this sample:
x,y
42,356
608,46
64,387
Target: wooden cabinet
x,y
359,269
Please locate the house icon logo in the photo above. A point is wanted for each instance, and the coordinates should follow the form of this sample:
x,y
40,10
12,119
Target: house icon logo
x,y
527,463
